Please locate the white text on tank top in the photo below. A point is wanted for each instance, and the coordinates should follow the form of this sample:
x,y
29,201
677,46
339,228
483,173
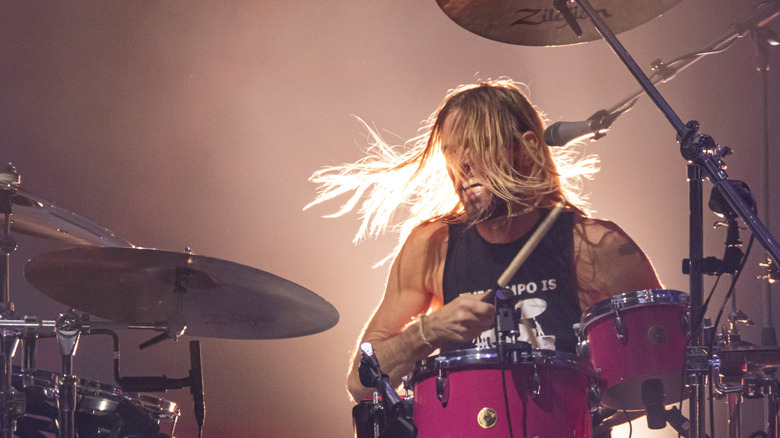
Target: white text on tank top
x,y
528,328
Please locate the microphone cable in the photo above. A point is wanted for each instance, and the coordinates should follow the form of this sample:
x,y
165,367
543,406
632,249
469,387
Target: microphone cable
x,y
506,398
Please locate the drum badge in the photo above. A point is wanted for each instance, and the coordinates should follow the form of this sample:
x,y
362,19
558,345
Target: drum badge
x,y
487,418
657,334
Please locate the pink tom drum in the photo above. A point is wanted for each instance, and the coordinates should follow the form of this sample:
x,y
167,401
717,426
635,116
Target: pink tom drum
x,y
461,394
634,337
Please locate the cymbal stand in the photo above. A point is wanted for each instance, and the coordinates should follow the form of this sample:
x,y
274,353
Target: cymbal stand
x,y
68,332
29,345
734,406
705,158
733,392
9,180
11,402
773,428
761,37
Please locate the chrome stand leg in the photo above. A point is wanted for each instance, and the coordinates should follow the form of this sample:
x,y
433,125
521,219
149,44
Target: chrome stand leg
x,y
734,406
772,415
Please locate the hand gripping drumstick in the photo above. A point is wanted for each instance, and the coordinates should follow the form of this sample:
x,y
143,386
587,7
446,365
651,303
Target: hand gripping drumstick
x,y
523,254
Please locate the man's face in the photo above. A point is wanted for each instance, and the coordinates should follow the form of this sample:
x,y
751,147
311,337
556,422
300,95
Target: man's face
x,y
479,202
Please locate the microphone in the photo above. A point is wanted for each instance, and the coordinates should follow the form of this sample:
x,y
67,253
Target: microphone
x,y
396,422
563,133
196,383
653,397
371,375
368,371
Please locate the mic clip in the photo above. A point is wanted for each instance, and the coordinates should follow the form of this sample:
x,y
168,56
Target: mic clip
x,y
505,313
601,120
370,376
505,324
397,423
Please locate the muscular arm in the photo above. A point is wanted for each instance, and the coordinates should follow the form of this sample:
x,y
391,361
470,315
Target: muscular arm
x,y
414,287
608,262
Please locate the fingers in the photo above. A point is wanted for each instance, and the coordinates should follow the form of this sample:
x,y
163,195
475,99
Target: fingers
x,y
476,304
461,320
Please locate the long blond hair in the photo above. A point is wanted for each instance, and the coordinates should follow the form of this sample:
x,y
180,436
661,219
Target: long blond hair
x,y
489,120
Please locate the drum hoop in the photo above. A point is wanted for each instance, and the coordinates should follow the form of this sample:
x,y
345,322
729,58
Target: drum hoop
x,y
151,403
488,358
632,300
52,381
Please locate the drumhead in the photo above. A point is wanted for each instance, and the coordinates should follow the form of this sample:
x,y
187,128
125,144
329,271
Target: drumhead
x,y
631,300
488,358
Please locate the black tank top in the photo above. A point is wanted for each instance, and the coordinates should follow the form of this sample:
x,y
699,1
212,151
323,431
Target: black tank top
x,y
473,265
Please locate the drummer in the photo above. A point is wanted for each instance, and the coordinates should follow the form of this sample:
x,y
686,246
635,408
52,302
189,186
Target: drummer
x,y
476,184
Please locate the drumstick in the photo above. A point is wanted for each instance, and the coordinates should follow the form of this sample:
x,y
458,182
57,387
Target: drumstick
x,y
531,244
522,256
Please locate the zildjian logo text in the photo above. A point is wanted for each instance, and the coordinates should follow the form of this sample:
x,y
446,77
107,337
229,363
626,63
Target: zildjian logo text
x,y
535,17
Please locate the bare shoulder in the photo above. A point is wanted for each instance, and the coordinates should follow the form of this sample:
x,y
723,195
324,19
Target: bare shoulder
x,y
425,244
603,235
422,258
428,234
608,261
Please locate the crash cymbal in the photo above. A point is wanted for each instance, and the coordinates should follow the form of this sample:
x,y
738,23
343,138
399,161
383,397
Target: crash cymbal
x,y
538,23
40,218
213,297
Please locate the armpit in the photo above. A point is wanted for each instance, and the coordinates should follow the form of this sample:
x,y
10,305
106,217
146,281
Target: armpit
x,y
589,297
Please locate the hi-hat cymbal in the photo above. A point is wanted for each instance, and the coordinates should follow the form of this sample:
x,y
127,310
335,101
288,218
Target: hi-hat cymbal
x,y
213,297
40,218
735,359
538,23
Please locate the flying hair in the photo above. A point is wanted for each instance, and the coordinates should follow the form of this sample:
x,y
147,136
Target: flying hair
x,y
398,187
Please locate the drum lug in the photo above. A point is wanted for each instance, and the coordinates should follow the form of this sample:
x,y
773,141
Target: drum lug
x,y
620,328
443,389
594,396
583,349
685,322
534,382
